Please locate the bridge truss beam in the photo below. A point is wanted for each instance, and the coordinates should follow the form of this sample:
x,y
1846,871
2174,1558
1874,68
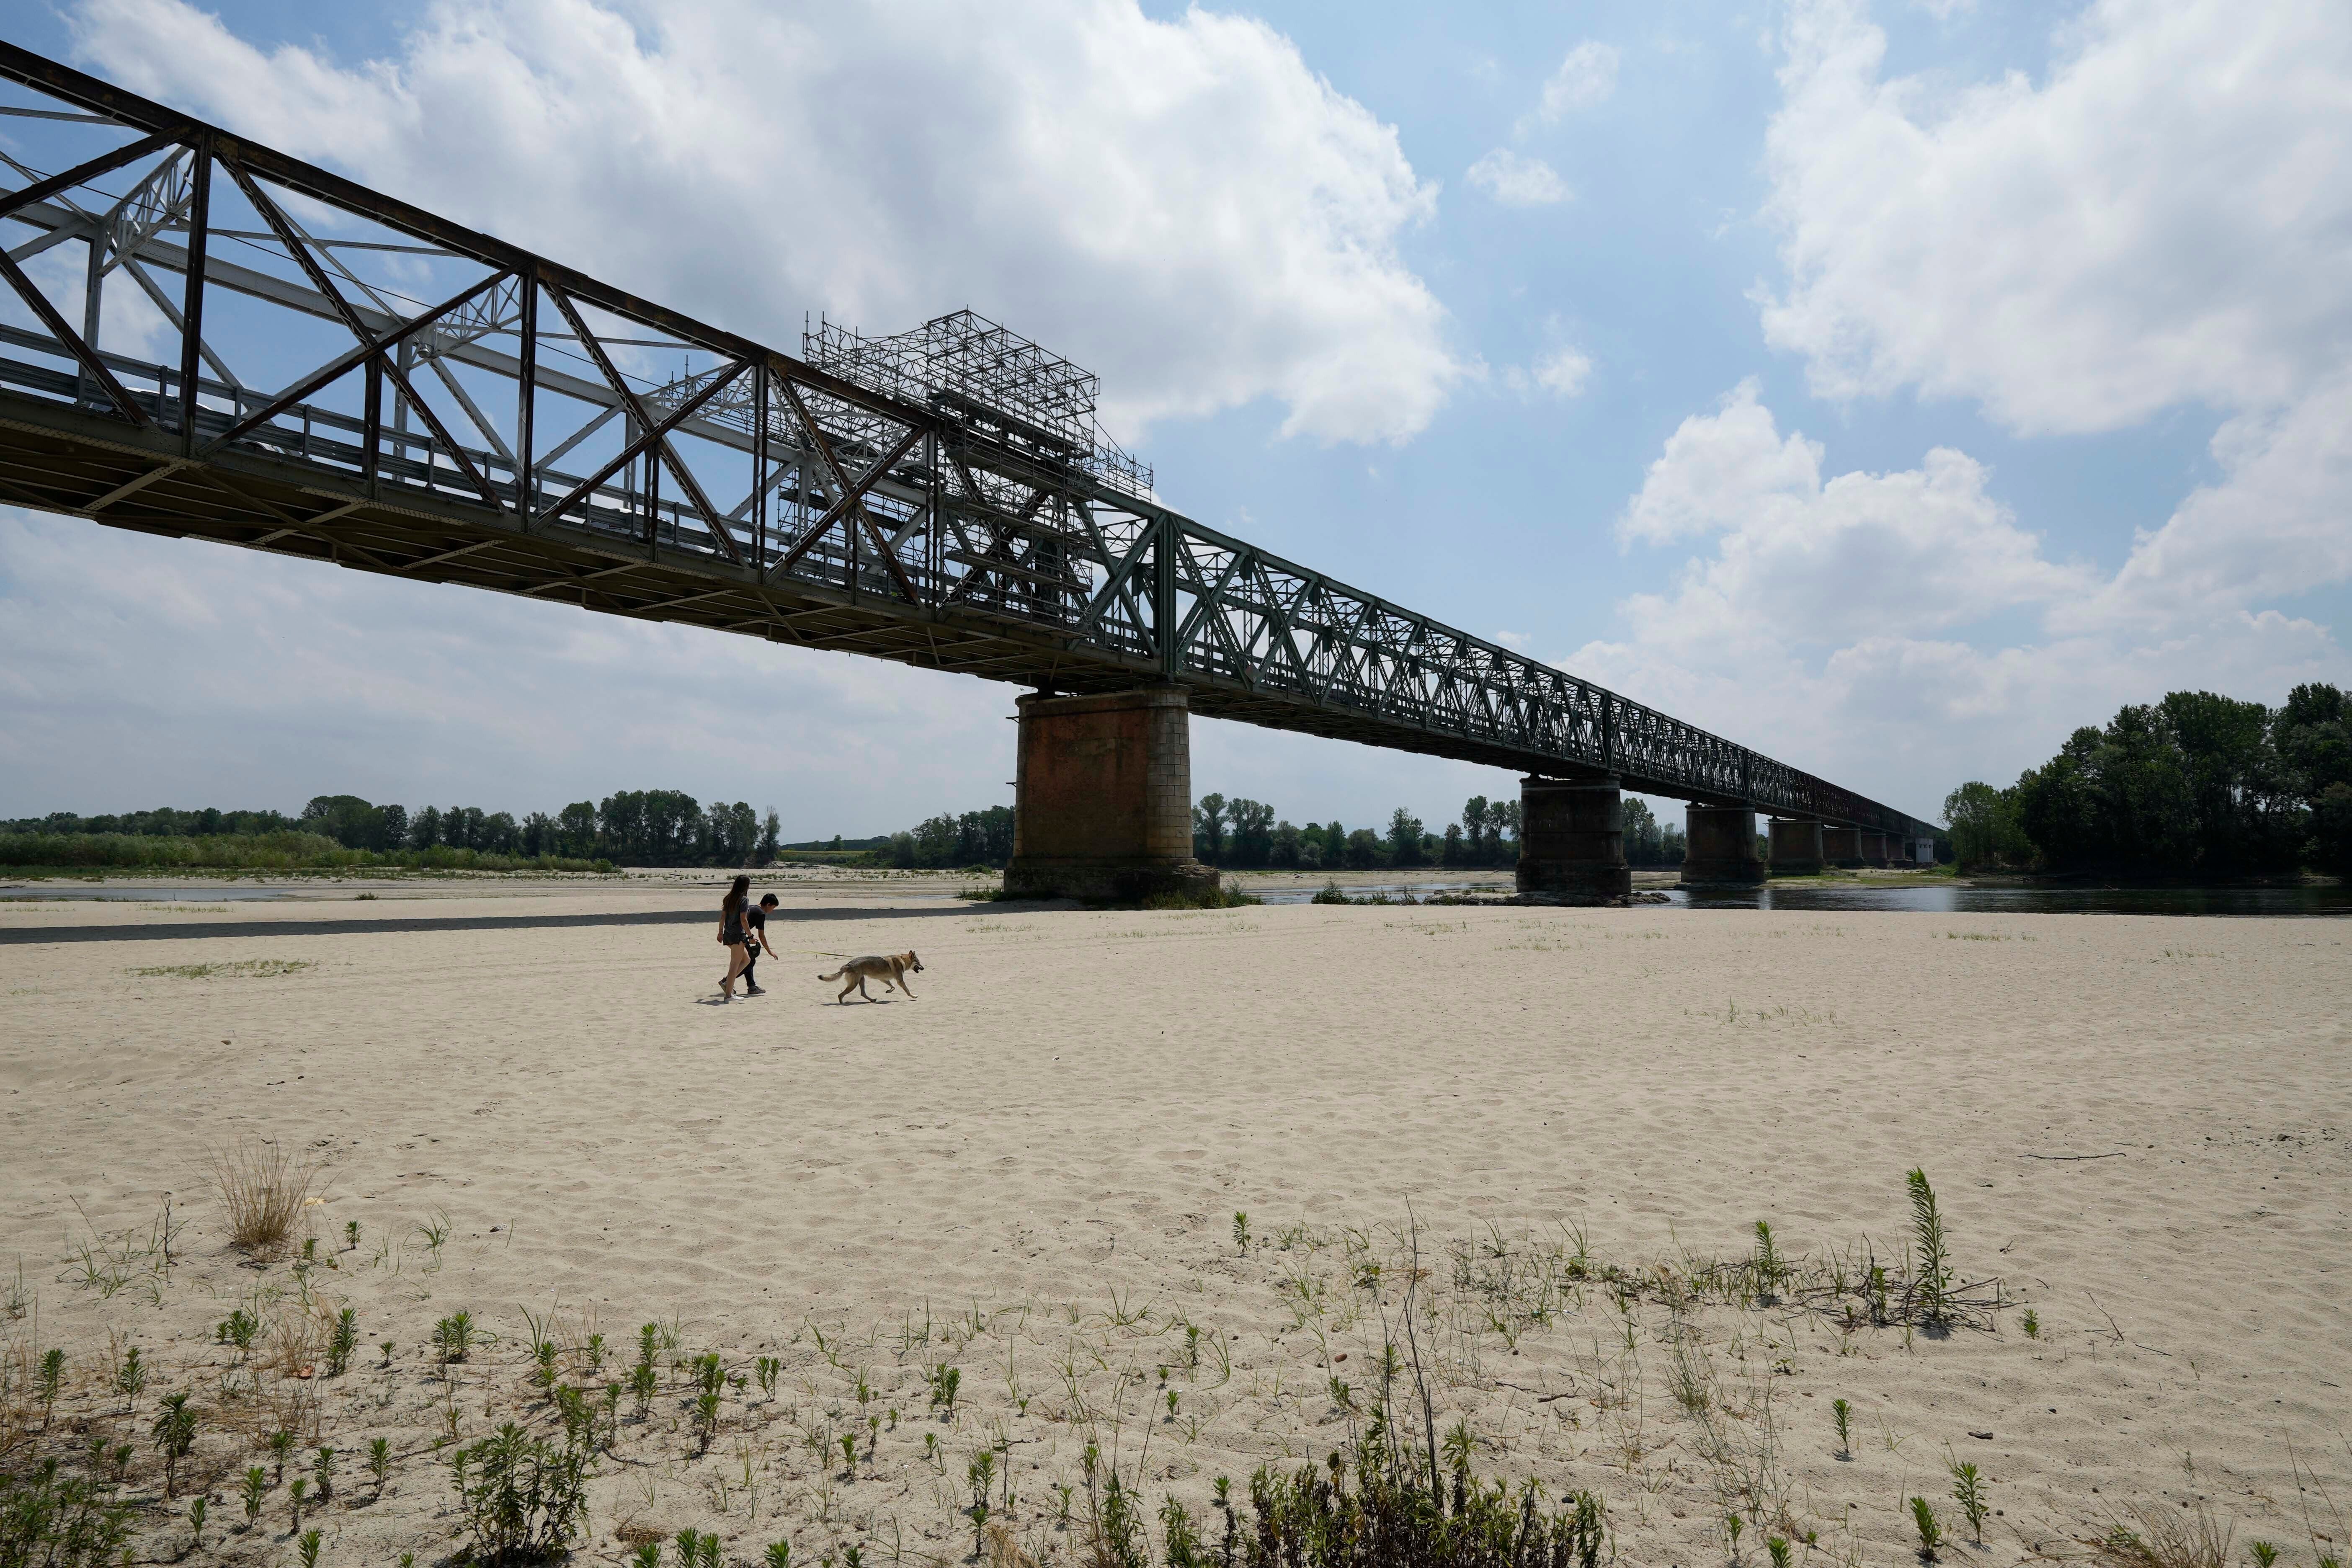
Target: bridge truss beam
x,y
538,432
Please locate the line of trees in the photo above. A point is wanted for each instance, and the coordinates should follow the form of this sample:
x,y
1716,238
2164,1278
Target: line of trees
x,y
975,838
629,828
1241,834
1244,835
2198,785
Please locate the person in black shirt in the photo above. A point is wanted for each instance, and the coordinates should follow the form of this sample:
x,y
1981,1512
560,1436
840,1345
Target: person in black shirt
x,y
755,931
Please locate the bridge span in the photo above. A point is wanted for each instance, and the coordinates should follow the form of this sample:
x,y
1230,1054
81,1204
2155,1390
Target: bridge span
x,y
350,379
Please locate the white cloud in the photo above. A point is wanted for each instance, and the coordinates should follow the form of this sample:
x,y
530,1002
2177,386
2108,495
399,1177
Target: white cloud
x,y
1901,632
2278,524
1561,374
1182,206
1518,182
2166,220
1801,561
1563,371
1586,75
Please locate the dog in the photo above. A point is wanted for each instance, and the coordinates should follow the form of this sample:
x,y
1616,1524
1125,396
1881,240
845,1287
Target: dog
x,y
891,969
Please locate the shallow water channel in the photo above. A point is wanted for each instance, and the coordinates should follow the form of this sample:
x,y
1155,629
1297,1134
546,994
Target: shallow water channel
x,y
1938,901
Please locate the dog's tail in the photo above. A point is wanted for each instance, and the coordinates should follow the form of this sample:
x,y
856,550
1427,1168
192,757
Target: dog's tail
x,y
836,973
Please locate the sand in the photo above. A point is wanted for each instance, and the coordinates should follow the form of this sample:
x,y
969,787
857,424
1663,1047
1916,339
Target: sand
x,y
1030,1171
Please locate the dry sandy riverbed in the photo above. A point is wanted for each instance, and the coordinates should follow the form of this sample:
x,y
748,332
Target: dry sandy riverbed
x,y
1030,1173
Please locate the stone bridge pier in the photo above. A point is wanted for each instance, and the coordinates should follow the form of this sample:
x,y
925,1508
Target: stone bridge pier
x,y
1796,847
1102,807
1722,847
1841,845
1572,839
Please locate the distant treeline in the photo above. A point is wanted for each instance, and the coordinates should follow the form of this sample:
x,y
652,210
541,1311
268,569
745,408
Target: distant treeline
x,y
1243,834
634,828
2194,787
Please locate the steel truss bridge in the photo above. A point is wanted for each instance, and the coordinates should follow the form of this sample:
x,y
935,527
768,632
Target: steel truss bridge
x,y
361,382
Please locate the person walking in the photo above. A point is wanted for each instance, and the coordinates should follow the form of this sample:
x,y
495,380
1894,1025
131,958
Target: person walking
x,y
755,941
732,934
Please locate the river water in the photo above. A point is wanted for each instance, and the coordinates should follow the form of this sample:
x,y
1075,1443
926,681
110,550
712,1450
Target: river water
x,y
1945,900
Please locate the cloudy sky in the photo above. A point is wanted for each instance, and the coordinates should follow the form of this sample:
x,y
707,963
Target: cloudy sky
x,y
1892,387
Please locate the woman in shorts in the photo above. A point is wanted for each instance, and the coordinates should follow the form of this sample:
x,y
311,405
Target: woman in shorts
x,y
732,934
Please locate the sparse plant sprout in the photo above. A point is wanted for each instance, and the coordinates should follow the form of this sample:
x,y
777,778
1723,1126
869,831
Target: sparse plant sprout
x,y
342,1341
2264,1552
174,1431
1241,1231
380,1462
256,1484
453,1337
308,1548
238,1331
778,1555
1931,1532
644,1381
2031,1323
50,1380
322,1466
764,1370
648,1555
298,1492
596,1348
196,1511
705,1420
1931,1262
944,1381
281,1447
351,1236
1842,1415
1968,1490
1777,1548
386,1348
131,1377
1767,1265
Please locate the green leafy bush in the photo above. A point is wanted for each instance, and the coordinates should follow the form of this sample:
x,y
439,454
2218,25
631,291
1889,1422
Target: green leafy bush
x,y
524,1499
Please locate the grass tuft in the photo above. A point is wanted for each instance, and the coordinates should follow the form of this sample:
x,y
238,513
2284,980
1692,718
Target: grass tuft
x,y
250,968
264,1187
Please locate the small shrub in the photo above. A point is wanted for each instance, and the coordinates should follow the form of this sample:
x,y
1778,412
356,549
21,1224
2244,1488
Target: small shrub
x,y
524,1499
51,1519
257,1485
1328,893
